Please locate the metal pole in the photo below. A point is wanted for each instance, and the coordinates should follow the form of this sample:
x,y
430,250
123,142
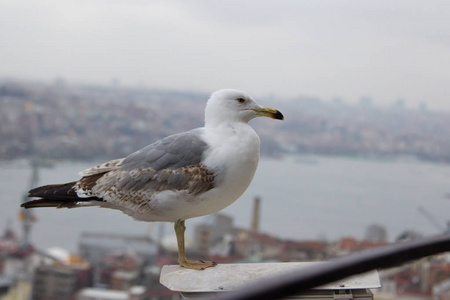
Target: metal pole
x,y
308,278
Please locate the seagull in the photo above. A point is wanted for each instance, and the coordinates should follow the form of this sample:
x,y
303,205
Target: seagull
x,y
182,176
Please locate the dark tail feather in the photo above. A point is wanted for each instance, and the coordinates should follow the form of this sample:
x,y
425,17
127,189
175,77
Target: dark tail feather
x,y
49,203
55,191
55,195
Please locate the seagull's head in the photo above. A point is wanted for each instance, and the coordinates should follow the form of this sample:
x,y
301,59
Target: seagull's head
x,y
229,105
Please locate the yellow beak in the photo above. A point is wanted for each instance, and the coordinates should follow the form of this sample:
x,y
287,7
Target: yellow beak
x,y
269,112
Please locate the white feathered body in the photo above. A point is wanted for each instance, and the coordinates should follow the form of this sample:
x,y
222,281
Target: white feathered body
x,y
227,144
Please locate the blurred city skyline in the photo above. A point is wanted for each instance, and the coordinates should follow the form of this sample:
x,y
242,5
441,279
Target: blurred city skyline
x,y
388,50
64,120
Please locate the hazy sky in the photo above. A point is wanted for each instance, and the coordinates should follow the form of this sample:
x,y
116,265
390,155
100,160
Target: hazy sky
x,y
388,50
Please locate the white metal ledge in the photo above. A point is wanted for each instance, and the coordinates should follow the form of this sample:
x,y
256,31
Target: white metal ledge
x,y
228,277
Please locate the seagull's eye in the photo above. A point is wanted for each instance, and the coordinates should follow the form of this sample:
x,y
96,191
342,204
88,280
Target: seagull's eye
x,y
240,100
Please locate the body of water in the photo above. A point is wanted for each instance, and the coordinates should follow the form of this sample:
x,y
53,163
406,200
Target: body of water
x,y
302,198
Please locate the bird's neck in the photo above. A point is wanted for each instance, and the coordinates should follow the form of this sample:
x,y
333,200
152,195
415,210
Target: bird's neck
x,y
228,128
218,122
233,135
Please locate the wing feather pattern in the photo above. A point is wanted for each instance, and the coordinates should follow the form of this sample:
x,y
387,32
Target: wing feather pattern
x,y
171,164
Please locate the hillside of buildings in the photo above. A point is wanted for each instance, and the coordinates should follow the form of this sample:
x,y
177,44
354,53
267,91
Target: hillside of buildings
x,y
62,120
111,266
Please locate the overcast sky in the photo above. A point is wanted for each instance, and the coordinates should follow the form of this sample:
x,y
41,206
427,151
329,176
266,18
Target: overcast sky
x,y
387,50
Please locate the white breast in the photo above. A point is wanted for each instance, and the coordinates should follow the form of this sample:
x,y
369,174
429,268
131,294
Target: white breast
x,y
235,158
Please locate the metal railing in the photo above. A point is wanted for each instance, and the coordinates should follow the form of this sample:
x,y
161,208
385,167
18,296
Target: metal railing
x,y
379,258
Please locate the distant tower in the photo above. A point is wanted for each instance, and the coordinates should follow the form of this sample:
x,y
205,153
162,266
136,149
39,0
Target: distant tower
x,y
255,217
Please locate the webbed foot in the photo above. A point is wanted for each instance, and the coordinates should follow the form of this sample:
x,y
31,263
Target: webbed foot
x,y
196,264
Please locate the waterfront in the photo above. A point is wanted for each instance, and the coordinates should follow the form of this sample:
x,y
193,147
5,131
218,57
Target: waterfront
x,y
303,198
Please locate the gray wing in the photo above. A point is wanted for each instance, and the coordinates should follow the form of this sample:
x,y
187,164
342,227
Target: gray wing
x,y
173,152
173,163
